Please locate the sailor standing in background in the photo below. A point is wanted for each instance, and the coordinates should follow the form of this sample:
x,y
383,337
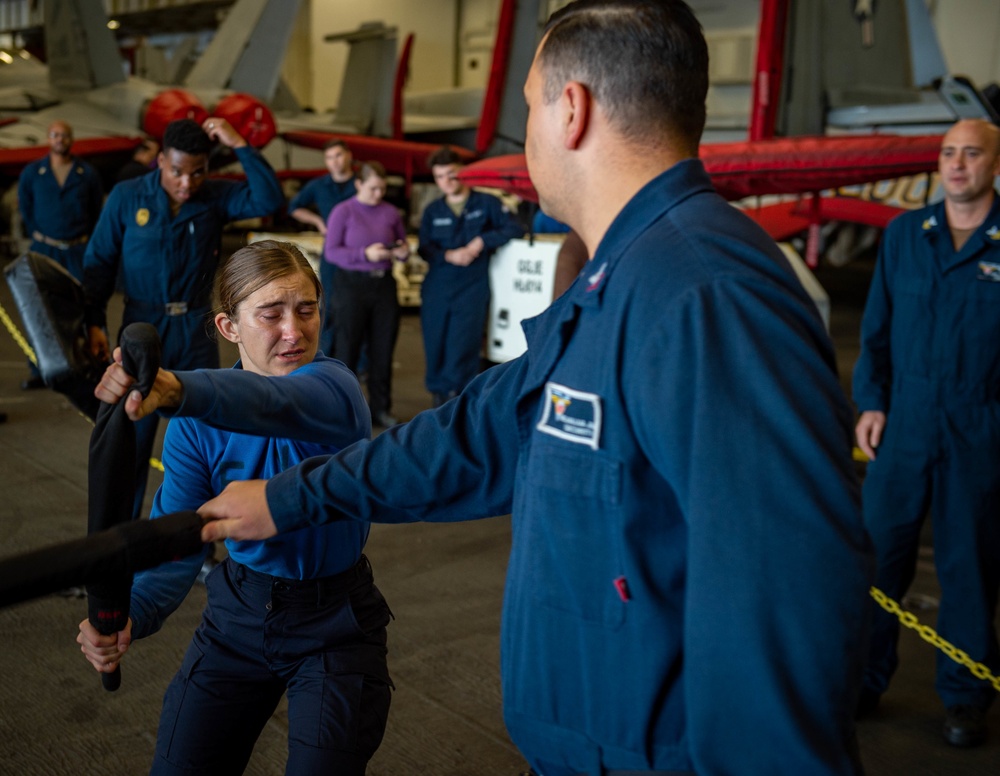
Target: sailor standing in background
x,y
458,234
312,206
927,384
60,200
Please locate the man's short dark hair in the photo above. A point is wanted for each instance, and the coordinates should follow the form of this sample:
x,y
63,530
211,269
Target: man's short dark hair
x,y
336,143
442,156
187,136
644,61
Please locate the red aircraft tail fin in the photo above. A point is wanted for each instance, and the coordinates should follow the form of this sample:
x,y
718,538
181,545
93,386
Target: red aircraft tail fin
x,y
498,74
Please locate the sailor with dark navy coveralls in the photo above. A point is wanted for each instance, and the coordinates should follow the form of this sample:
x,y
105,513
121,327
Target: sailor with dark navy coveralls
x,y
165,230
688,580
60,199
312,205
927,384
458,234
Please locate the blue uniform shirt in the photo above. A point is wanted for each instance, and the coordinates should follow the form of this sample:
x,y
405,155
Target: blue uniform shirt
x,y
689,571
441,230
169,260
63,213
323,194
236,425
932,316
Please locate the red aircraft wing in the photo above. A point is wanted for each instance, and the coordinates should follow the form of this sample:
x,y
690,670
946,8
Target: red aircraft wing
x,y
801,165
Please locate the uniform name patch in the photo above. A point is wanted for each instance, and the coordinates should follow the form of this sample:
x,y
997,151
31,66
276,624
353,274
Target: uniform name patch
x,y
989,271
571,415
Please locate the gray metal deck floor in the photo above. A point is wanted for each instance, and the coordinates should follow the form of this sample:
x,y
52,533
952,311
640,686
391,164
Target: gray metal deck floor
x,y
443,582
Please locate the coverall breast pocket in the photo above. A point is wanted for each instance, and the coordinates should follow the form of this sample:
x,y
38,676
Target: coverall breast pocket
x,y
576,532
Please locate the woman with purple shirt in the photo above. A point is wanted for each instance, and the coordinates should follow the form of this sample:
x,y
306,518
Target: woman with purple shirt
x,y
363,237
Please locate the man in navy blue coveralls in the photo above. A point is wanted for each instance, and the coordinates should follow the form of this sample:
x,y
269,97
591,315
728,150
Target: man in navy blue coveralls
x,y
927,384
688,580
165,231
312,205
458,234
60,199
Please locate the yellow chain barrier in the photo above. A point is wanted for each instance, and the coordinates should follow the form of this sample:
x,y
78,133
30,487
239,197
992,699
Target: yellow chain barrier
x,y
30,353
18,337
928,634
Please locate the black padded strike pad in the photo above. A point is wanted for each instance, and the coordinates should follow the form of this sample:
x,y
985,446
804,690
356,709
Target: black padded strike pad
x,y
50,303
115,553
111,479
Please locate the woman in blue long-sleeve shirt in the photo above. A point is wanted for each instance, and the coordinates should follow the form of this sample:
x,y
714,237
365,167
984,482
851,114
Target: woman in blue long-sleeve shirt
x,y
299,615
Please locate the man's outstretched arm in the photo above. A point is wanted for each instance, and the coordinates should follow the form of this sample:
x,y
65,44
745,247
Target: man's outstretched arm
x,y
455,463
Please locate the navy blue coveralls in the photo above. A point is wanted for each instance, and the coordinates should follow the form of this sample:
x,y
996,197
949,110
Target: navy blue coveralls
x,y
59,219
930,359
454,301
323,194
168,266
689,570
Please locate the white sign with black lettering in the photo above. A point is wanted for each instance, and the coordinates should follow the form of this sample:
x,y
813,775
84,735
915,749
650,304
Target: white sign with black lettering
x,y
521,280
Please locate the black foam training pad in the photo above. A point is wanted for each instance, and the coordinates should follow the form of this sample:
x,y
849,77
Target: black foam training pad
x,y
50,303
115,553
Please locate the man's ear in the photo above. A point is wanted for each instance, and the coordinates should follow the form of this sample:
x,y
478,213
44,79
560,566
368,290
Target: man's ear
x,y
227,328
577,99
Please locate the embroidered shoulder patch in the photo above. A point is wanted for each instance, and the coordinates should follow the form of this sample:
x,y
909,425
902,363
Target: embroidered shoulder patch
x,y
571,415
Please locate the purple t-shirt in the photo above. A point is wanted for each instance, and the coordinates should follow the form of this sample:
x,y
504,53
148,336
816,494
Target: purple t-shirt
x,y
353,226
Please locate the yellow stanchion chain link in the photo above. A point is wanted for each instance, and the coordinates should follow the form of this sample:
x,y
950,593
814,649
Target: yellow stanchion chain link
x,y
19,338
928,634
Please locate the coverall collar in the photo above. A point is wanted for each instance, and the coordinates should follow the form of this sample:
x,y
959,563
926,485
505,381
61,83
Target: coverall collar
x,y
661,194
549,332
935,228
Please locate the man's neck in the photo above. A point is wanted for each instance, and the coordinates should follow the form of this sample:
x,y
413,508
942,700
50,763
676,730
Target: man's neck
x,y
617,184
60,160
968,215
341,177
458,197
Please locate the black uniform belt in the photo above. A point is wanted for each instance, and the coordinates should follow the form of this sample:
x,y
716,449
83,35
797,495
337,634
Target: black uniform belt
x,y
60,244
335,583
170,309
